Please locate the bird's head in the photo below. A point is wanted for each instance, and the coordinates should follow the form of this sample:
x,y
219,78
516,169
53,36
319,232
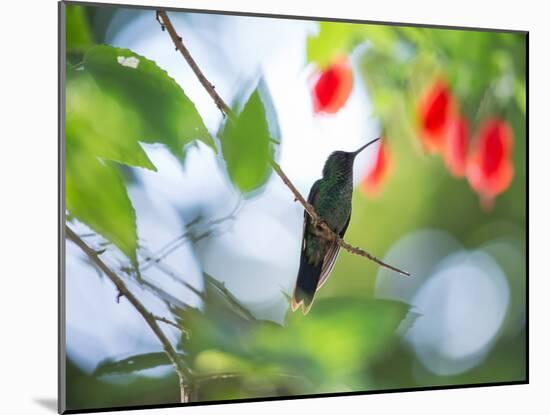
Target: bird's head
x,y
341,161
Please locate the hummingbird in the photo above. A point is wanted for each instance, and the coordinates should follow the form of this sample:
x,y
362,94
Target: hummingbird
x,y
331,198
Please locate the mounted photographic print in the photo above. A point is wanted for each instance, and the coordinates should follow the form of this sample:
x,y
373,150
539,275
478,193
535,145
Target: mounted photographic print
x,y
259,207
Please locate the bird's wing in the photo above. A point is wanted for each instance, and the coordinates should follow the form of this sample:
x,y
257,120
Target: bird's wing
x,y
330,257
311,198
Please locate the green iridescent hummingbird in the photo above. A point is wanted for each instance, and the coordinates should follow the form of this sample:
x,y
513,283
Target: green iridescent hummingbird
x,y
331,198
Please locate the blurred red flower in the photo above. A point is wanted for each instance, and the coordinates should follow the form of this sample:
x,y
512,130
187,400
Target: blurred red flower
x,y
490,170
332,87
378,174
435,108
456,146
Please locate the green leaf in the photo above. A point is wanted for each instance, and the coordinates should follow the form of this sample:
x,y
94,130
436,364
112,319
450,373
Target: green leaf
x,y
521,95
101,125
96,195
337,39
132,363
223,322
246,146
164,114
78,32
337,338
332,40
115,99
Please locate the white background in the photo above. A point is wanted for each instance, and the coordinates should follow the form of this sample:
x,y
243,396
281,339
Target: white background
x,y
28,200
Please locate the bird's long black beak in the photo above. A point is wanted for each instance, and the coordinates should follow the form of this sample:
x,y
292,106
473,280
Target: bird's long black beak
x,y
365,146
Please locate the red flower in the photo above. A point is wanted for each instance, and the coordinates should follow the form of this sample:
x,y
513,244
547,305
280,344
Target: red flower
x,y
456,146
434,111
490,170
332,87
371,183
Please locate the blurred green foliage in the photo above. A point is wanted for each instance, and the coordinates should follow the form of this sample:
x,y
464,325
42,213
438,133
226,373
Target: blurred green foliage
x,y
78,32
117,99
87,391
486,72
246,146
132,364
323,347
96,195
114,138
164,114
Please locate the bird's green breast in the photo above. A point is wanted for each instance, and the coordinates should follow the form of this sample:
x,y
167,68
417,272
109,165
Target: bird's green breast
x,y
333,203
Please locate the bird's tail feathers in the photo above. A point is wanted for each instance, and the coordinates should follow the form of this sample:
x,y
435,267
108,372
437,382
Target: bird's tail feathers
x,y
306,285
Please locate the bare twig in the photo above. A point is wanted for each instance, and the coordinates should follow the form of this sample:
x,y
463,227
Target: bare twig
x,y
166,321
168,271
168,299
326,232
165,22
182,239
297,195
182,370
173,324
152,259
169,245
220,286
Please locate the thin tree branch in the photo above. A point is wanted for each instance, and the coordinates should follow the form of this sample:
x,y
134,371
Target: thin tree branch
x,y
173,324
182,370
155,256
168,299
166,270
165,22
219,285
326,232
173,245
